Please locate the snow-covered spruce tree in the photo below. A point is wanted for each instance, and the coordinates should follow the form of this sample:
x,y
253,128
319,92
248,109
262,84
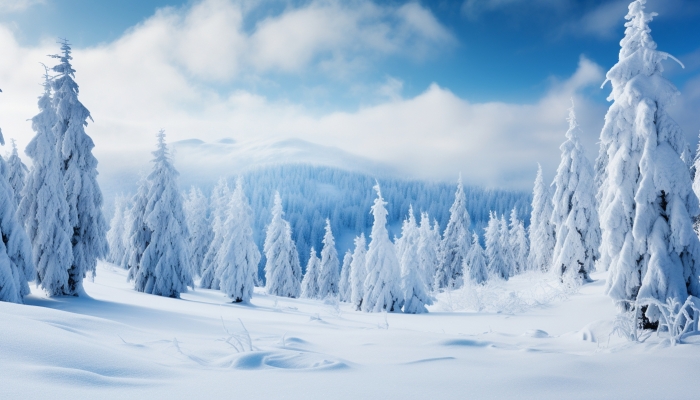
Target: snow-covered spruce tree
x,y
198,223
237,263
494,248
506,251
282,268
309,285
647,202
117,232
15,249
475,265
165,265
455,243
541,230
574,216
358,272
329,274
79,168
43,206
139,232
344,291
220,197
695,172
16,173
519,246
382,291
428,244
415,292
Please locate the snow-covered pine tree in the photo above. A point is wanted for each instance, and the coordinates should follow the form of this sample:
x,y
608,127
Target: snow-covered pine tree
x,y
43,206
199,226
541,231
475,265
238,259
79,166
165,265
519,246
455,243
382,291
695,172
647,202
220,197
344,291
415,292
282,268
428,244
139,232
117,231
329,274
16,173
309,285
574,216
358,272
509,261
16,268
494,248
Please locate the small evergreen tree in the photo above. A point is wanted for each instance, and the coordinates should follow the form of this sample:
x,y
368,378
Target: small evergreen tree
x,y
79,167
309,285
358,272
164,269
575,216
382,290
199,226
139,232
239,256
518,243
44,207
541,230
16,173
344,291
413,286
475,265
427,248
282,269
329,274
219,204
455,243
497,266
506,251
117,232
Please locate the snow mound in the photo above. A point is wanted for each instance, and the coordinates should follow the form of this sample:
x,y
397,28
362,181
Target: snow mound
x,y
284,359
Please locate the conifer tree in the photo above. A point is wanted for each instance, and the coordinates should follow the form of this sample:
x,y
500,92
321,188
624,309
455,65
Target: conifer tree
x,y
358,272
575,216
647,203
309,285
117,232
497,266
199,226
329,274
427,248
79,168
139,232
239,256
541,230
455,243
44,207
219,204
344,291
16,173
382,290
475,265
506,251
519,246
164,269
413,286
282,268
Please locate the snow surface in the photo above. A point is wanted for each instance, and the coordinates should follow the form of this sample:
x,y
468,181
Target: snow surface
x,y
118,343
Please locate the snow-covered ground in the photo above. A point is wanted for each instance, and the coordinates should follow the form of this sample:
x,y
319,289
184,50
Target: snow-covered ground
x,y
118,343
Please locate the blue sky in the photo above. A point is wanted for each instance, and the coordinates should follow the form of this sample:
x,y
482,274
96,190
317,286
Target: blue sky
x,y
333,62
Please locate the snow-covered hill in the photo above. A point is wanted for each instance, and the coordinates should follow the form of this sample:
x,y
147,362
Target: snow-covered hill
x,y
118,344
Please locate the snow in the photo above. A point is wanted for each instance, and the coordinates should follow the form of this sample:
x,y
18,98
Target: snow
x,y
117,343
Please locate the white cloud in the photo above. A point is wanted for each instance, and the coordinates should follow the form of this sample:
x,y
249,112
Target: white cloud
x,y
18,5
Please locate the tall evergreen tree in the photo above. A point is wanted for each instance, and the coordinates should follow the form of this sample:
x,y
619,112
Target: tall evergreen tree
x,y
518,244
282,268
344,291
358,272
495,258
475,265
647,203
382,291
415,291
541,230
43,206
427,248
329,274
506,251
455,243
117,232
239,256
199,226
309,285
139,232
575,216
79,167
219,204
165,265
16,173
